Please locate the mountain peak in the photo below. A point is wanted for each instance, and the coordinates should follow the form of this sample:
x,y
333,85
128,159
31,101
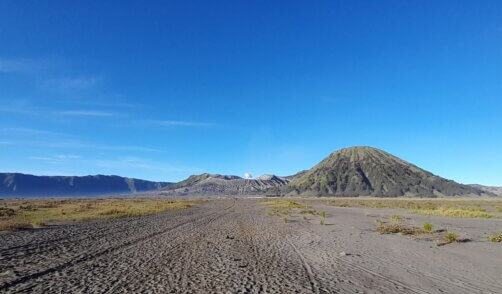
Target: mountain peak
x,y
368,171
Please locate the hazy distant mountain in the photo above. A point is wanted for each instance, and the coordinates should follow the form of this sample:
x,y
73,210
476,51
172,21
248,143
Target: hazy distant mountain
x,y
22,185
490,189
214,184
366,171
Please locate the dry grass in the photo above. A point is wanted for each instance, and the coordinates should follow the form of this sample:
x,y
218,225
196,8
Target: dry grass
x,y
450,237
497,237
396,218
459,212
36,213
449,207
285,204
394,228
286,207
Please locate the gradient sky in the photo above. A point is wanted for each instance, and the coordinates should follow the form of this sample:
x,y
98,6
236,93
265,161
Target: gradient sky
x,y
160,90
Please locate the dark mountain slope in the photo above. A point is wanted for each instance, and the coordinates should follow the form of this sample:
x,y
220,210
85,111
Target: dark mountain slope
x,y
367,171
16,184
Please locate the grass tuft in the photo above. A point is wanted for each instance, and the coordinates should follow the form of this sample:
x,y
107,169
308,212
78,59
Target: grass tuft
x,y
450,237
427,227
396,218
497,237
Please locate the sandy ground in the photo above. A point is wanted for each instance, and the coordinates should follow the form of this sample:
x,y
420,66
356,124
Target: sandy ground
x,y
233,246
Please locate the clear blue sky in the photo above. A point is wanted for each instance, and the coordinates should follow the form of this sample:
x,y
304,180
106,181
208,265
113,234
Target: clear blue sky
x,y
163,89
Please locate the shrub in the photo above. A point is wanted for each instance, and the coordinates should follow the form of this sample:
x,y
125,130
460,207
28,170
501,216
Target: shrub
x,y
450,237
427,227
396,218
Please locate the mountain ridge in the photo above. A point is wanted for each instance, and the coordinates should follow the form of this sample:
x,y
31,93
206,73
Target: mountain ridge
x,y
25,185
352,171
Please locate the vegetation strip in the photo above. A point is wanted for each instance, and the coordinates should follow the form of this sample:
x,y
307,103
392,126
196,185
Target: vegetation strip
x,y
19,214
458,208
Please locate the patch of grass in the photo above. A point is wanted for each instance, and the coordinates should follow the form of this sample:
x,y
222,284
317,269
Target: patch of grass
x,y
396,218
497,237
450,237
38,224
427,227
6,212
322,221
285,219
394,228
11,226
465,208
36,213
458,212
284,204
308,211
279,211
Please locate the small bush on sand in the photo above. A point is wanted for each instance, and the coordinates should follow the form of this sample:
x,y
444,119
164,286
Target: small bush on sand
x,y
497,237
427,227
396,218
285,219
384,228
450,237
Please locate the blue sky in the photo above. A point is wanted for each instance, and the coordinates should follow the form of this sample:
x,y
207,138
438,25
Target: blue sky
x,y
163,89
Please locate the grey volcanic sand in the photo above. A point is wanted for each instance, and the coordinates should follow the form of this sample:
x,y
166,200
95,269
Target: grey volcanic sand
x,y
234,246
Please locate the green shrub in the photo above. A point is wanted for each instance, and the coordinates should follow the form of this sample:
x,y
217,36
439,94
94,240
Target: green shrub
x,y
427,227
450,237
